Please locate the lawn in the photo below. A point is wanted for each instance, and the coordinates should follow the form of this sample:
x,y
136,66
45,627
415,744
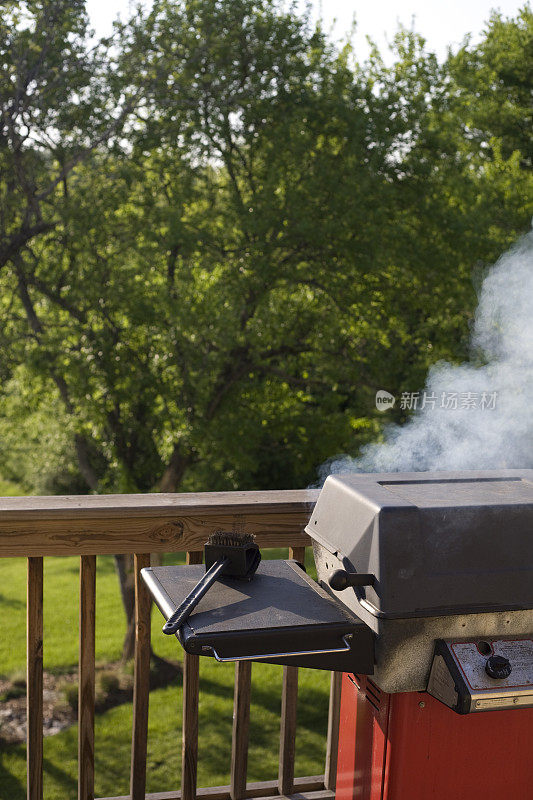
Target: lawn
x,y
113,728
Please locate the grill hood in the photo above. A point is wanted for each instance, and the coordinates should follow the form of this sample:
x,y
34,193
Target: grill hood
x,y
437,543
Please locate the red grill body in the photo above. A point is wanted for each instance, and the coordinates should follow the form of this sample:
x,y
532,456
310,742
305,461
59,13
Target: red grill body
x,y
408,746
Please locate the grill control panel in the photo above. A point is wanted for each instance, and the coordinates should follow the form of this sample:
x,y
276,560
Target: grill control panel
x,y
483,674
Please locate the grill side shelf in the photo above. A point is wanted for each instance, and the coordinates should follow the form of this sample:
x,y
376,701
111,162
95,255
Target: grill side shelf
x,y
280,617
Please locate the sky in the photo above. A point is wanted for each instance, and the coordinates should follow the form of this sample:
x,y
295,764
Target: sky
x,y
441,22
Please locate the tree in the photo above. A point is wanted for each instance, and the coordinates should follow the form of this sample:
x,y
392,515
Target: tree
x,y
224,235
493,83
57,107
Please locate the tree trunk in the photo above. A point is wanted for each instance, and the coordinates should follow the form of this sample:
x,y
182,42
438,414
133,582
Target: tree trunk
x,y
84,463
170,482
175,470
126,577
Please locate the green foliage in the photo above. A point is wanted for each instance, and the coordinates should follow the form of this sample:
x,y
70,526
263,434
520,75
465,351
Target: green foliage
x,y
493,87
108,682
71,692
43,459
9,489
223,235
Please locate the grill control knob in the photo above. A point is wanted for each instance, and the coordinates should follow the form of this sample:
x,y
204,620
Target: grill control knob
x,y
498,667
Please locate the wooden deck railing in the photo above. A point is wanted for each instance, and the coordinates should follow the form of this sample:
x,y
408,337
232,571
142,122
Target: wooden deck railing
x,y
36,527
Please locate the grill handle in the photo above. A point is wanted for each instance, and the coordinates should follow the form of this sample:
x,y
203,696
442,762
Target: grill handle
x,y
346,641
341,579
178,617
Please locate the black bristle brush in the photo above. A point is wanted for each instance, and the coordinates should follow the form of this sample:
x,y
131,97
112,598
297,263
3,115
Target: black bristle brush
x,y
227,555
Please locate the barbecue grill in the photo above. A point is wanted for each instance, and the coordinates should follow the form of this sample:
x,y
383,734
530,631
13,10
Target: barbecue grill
x,y
450,554
425,585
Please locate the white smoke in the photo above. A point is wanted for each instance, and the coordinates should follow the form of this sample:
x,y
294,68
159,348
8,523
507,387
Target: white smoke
x,y
495,429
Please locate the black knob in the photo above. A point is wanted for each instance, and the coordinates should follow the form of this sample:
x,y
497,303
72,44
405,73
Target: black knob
x,y
498,667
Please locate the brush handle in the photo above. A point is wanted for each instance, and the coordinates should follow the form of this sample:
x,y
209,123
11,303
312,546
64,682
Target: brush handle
x,y
178,617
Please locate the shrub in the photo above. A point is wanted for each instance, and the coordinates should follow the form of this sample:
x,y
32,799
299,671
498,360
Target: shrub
x,y
71,695
108,683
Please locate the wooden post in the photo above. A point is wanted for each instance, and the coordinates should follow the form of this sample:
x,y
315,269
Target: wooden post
x,y
332,747
298,553
34,679
241,725
289,700
191,687
141,681
86,678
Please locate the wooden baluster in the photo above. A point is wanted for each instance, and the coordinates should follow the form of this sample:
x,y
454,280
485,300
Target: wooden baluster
x,y
298,553
241,724
34,679
289,700
330,771
191,686
86,678
141,681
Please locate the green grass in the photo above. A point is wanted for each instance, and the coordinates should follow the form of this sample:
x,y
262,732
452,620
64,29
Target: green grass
x,y
60,613
113,728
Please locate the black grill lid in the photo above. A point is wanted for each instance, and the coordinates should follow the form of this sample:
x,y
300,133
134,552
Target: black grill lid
x,y
438,543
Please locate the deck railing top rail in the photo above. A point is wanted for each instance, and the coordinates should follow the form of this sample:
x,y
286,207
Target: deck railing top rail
x,y
126,523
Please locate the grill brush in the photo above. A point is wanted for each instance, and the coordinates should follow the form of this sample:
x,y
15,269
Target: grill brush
x,y
228,555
